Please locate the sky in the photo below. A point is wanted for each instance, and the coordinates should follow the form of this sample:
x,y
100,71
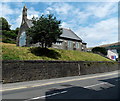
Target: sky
x,y
95,22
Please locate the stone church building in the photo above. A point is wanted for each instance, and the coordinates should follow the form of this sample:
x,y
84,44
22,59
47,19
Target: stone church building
x,y
68,40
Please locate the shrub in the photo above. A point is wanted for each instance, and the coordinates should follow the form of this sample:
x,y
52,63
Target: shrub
x,y
99,50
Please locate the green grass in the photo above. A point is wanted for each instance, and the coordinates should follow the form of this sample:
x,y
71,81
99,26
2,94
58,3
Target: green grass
x,y
11,52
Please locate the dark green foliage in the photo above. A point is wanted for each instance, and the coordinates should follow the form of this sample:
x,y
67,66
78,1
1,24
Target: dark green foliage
x,y
45,30
45,52
4,24
99,50
11,34
16,30
8,35
118,59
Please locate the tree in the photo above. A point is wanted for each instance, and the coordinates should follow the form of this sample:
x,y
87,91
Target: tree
x,y
99,50
45,30
4,24
17,30
8,35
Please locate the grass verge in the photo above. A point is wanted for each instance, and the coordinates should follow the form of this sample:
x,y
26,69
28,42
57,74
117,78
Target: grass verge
x,y
12,52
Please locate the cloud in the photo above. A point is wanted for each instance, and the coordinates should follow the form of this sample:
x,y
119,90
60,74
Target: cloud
x,y
6,10
16,23
49,10
71,14
0,9
58,8
60,0
66,25
12,0
63,8
97,33
102,9
8,13
68,13
32,12
105,31
14,15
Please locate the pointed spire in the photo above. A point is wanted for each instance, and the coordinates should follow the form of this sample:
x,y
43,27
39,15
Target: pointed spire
x,y
24,13
24,8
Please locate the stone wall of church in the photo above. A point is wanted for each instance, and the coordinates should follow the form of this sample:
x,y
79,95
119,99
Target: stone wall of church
x,y
66,45
23,28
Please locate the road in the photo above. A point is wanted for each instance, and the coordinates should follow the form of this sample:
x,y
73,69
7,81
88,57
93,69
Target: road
x,y
94,86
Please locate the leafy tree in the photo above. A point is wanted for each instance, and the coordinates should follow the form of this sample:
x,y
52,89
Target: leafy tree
x,y
99,50
4,24
8,35
45,30
17,30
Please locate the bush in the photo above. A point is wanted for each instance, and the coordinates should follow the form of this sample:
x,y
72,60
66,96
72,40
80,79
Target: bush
x,y
8,37
99,50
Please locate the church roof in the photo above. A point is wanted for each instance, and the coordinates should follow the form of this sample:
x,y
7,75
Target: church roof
x,y
29,23
68,33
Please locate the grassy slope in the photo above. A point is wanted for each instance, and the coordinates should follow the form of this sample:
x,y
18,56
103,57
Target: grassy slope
x,y
11,52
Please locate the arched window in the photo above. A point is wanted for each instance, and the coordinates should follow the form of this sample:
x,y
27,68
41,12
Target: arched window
x,y
22,39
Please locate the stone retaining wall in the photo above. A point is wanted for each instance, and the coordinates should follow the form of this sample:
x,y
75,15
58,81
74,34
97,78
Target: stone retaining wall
x,y
18,71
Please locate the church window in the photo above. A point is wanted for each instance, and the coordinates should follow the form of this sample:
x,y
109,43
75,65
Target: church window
x,y
69,44
77,45
22,39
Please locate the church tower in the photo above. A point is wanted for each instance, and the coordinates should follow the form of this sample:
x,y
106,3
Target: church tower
x,y
24,15
22,37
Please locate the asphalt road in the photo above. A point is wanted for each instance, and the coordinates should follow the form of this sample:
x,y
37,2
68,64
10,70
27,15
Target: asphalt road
x,y
94,86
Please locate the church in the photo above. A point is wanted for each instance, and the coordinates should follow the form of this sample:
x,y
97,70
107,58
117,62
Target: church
x,y
68,40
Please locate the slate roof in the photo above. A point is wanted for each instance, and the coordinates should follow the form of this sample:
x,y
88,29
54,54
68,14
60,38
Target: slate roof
x,y
29,23
68,33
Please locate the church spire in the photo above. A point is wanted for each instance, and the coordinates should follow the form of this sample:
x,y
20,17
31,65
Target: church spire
x,y
24,14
